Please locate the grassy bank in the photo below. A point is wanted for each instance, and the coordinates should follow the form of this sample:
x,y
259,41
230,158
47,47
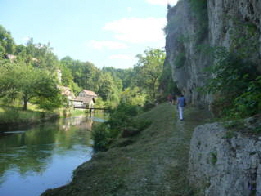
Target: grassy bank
x,y
154,162
15,116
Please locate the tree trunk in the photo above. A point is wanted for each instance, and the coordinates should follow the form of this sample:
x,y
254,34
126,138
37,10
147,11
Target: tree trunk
x,y
25,100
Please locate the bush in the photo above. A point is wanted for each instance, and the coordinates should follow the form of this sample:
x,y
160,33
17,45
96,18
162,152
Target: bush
x,y
237,84
103,136
249,102
121,118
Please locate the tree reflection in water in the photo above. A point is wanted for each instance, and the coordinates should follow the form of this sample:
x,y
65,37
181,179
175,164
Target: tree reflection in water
x,y
42,148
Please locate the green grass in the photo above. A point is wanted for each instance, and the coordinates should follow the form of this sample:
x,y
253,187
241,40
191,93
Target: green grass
x,y
154,162
15,115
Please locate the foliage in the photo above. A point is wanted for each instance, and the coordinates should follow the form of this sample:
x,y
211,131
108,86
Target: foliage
x,y
124,75
78,75
244,39
103,137
26,82
180,60
166,83
148,71
36,67
109,89
199,8
133,96
7,45
120,118
213,158
38,55
17,115
236,83
249,102
85,75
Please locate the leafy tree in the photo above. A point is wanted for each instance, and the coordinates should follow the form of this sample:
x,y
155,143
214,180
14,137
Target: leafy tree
x,y
7,45
125,75
85,75
133,96
167,85
26,82
107,86
38,55
148,70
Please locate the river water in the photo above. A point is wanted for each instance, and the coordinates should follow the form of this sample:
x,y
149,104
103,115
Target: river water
x,y
44,156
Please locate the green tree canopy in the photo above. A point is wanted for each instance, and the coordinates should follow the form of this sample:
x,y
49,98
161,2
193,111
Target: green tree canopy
x,y
148,70
27,82
7,44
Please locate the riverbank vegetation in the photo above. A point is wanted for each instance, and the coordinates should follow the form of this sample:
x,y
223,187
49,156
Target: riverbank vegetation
x,y
153,161
15,116
29,75
122,123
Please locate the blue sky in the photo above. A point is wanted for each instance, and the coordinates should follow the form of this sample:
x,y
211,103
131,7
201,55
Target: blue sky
x,y
104,32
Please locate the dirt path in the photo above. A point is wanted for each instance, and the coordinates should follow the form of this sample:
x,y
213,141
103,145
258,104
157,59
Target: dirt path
x,y
155,163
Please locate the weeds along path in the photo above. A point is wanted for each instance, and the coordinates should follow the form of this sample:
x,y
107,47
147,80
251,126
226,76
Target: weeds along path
x,y
155,163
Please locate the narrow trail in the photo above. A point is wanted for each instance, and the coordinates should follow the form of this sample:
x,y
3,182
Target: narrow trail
x,y
154,164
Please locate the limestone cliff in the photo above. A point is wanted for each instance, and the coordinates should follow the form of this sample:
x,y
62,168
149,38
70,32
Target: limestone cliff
x,y
212,23
224,162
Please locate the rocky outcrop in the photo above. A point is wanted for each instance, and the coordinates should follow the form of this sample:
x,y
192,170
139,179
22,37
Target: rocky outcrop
x,y
192,30
224,162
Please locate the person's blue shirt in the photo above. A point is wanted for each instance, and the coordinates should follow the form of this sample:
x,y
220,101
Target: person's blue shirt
x,y
181,101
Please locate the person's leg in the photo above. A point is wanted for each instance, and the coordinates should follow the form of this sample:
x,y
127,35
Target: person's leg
x,y
181,113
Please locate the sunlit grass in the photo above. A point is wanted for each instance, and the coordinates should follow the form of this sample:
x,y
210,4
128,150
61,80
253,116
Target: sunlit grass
x,y
13,115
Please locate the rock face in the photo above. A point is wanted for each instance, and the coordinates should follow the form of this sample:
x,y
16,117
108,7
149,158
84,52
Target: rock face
x,y
217,23
222,165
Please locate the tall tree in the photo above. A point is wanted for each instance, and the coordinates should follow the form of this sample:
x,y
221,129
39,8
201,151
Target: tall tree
x,y
148,70
7,45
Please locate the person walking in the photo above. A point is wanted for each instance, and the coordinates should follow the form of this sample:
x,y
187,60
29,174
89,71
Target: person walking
x,y
170,98
181,103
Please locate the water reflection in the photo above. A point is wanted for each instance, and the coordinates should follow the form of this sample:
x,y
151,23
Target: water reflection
x,y
43,156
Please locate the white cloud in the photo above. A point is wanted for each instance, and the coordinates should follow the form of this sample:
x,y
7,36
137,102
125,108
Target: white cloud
x,y
26,38
129,9
112,45
121,56
138,30
162,2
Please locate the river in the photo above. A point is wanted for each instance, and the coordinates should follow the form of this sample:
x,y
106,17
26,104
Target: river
x,y
43,156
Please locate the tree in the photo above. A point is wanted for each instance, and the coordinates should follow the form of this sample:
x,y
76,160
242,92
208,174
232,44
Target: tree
x,y
148,70
125,75
38,55
106,85
7,45
85,75
26,82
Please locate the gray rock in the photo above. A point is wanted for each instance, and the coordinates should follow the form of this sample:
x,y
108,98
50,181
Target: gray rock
x,y
224,166
183,40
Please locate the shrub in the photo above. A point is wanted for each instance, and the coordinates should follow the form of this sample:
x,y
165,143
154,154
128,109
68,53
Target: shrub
x,y
103,136
237,84
120,118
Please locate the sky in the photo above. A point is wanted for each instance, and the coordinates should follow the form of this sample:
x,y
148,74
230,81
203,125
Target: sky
x,y
107,33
